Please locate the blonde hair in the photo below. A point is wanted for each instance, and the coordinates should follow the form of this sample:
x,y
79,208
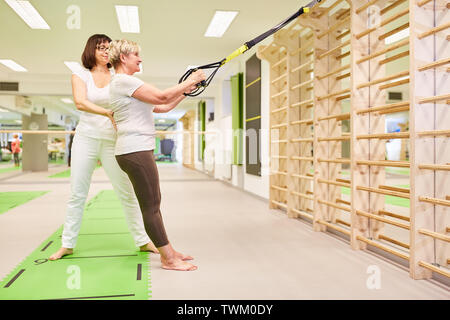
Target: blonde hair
x,y
118,47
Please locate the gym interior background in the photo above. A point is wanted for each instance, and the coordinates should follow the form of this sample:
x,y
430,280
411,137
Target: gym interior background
x,y
314,166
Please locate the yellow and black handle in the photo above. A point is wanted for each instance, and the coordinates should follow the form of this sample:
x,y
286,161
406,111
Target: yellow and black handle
x,y
246,46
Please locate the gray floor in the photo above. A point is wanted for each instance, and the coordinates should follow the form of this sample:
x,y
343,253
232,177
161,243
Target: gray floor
x,y
243,249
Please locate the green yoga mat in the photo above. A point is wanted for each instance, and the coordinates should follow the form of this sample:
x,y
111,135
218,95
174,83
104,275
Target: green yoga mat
x,y
9,169
62,174
66,173
106,264
9,200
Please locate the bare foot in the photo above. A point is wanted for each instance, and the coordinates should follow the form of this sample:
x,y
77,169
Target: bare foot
x,y
149,247
178,265
183,257
61,253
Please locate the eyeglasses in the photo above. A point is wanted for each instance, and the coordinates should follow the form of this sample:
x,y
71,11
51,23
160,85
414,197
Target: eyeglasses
x,y
102,48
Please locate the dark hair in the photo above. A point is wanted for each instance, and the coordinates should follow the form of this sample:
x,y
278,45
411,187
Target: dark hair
x,y
88,56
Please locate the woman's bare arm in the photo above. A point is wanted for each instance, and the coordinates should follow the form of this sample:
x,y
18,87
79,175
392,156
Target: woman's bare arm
x,y
150,94
167,108
79,92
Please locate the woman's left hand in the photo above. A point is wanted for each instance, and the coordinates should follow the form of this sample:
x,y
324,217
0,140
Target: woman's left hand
x,y
110,115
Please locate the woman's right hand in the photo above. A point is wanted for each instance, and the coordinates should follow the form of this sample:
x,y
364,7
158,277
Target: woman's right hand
x,y
196,77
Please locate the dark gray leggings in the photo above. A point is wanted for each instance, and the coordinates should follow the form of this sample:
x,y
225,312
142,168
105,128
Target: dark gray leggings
x,y
141,169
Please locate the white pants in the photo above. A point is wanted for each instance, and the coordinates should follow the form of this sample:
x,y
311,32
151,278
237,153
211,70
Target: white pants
x,y
85,153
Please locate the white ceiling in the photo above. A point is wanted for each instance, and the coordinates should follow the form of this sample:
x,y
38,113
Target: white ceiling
x,y
171,36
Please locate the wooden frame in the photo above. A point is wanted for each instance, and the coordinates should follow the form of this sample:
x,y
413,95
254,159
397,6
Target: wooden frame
x,y
309,115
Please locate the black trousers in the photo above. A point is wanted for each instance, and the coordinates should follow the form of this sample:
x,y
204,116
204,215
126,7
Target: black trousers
x,y
143,173
16,159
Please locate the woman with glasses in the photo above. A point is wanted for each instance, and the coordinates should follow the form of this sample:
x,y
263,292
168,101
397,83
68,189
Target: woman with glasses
x,y
133,102
94,140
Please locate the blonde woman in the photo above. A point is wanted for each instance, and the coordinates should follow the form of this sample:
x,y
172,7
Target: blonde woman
x,y
133,103
94,140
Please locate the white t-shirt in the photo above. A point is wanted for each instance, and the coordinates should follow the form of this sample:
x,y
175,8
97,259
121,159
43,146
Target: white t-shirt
x,y
134,118
90,124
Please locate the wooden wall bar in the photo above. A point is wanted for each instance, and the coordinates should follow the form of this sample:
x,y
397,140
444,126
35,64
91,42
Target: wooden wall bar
x,y
331,71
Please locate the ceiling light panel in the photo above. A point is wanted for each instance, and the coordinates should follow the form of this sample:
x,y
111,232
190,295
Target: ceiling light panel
x,y
220,23
13,65
128,17
73,66
28,13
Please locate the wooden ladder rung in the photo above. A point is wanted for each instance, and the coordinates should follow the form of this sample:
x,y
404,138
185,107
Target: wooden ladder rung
x,y
280,204
435,98
279,94
302,84
335,160
434,64
383,247
303,140
334,205
342,138
393,135
301,176
279,141
434,133
393,31
336,183
337,93
384,192
383,23
302,195
373,82
327,53
435,235
304,121
434,30
279,172
434,268
302,158
279,109
392,6
393,215
333,226
384,163
399,243
333,72
301,103
332,28
377,217
279,125
386,50
279,78
444,167
343,201
393,84
338,117
343,222
303,214
279,62
441,202
423,2
365,6
405,190
394,57
385,107
301,66
279,188
343,34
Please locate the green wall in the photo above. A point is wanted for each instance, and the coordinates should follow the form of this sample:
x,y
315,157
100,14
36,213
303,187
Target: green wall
x,y
237,112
